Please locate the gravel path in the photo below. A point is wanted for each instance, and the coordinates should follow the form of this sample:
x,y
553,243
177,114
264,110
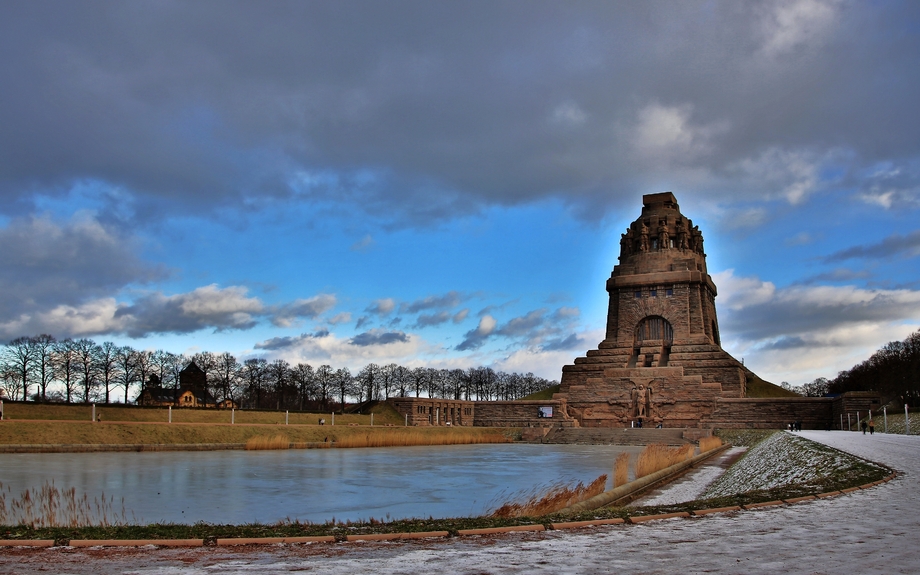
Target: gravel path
x,y
863,532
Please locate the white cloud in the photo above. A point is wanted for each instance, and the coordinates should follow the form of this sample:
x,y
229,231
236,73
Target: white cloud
x,y
382,307
794,24
801,332
665,134
739,292
325,347
794,173
486,325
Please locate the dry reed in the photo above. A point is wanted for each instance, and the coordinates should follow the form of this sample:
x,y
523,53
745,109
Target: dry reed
x,y
402,438
554,499
48,506
621,470
709,443
657,456
266,442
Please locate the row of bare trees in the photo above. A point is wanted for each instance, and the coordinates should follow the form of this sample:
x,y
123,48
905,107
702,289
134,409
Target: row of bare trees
x,y
40,368
893,371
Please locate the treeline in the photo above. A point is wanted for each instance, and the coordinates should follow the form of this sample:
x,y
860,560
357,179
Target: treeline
x,y
40,368
893,371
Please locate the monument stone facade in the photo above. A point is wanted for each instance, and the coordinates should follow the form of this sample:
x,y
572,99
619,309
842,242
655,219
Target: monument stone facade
x,y
661,362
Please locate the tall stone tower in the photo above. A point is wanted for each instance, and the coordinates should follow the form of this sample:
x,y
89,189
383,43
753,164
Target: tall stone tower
x,y
661,361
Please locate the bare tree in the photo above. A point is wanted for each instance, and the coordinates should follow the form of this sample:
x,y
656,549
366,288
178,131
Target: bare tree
x,y
402,379
178,363
87,361
126,360
66,368
208,362
369,380
253,374
388,376
278,373
324,383
304,380
160,362
419,377
43,347
225,373
143,364
344,382
10,381
19,359
107,358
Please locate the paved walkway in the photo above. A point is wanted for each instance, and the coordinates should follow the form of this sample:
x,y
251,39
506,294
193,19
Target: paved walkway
x,y
873,531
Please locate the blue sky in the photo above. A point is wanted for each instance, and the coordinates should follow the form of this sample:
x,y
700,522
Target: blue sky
x,y
444,184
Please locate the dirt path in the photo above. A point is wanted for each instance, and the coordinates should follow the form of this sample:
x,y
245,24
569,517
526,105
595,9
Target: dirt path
x,y
864,532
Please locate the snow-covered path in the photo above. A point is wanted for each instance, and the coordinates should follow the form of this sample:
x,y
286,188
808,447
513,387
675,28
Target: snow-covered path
x,y
863,532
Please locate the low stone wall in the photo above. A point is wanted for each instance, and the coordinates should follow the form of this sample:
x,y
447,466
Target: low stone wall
x,y
519,414
771,413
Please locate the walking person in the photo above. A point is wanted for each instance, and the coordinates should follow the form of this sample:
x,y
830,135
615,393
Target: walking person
x,y
864,426
871,427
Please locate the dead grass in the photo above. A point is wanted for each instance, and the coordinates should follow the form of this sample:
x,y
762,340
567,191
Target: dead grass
x,y
554,499
400,437
657,456
621,470
709,443
383,415
88,433
268,442
48,506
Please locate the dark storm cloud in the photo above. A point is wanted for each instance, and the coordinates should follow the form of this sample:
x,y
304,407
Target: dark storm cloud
x,y
893,245
288,342
807,311
378,338
535,328
427,320
45,263
423,110
572,341
309,308
449,300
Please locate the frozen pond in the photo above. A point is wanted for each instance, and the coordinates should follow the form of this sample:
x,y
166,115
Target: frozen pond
x,y
311,485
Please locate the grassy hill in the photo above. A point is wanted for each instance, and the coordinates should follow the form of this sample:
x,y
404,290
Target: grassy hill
x,y
757,387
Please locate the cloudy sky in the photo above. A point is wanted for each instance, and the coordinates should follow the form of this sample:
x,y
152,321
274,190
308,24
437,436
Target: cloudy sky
x,y
444,183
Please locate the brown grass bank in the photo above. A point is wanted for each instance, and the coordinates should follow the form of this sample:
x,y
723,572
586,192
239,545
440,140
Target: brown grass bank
x,y
384,414
88,433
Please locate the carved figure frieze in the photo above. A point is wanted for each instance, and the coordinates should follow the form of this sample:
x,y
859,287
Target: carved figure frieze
x,y
682,242
643,237
626,243
664,240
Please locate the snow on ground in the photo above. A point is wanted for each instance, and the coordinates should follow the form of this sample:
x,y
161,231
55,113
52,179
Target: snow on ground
x,y
692,485
781,459
863,532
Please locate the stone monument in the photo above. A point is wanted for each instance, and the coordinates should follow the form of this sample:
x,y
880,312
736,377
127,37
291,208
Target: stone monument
x,y
661,362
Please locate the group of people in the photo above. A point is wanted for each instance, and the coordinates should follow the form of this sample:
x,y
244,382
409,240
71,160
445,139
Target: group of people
x,y
870,425
795,426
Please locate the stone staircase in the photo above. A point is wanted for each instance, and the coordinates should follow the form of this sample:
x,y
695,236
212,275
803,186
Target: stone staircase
x,y
616,436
